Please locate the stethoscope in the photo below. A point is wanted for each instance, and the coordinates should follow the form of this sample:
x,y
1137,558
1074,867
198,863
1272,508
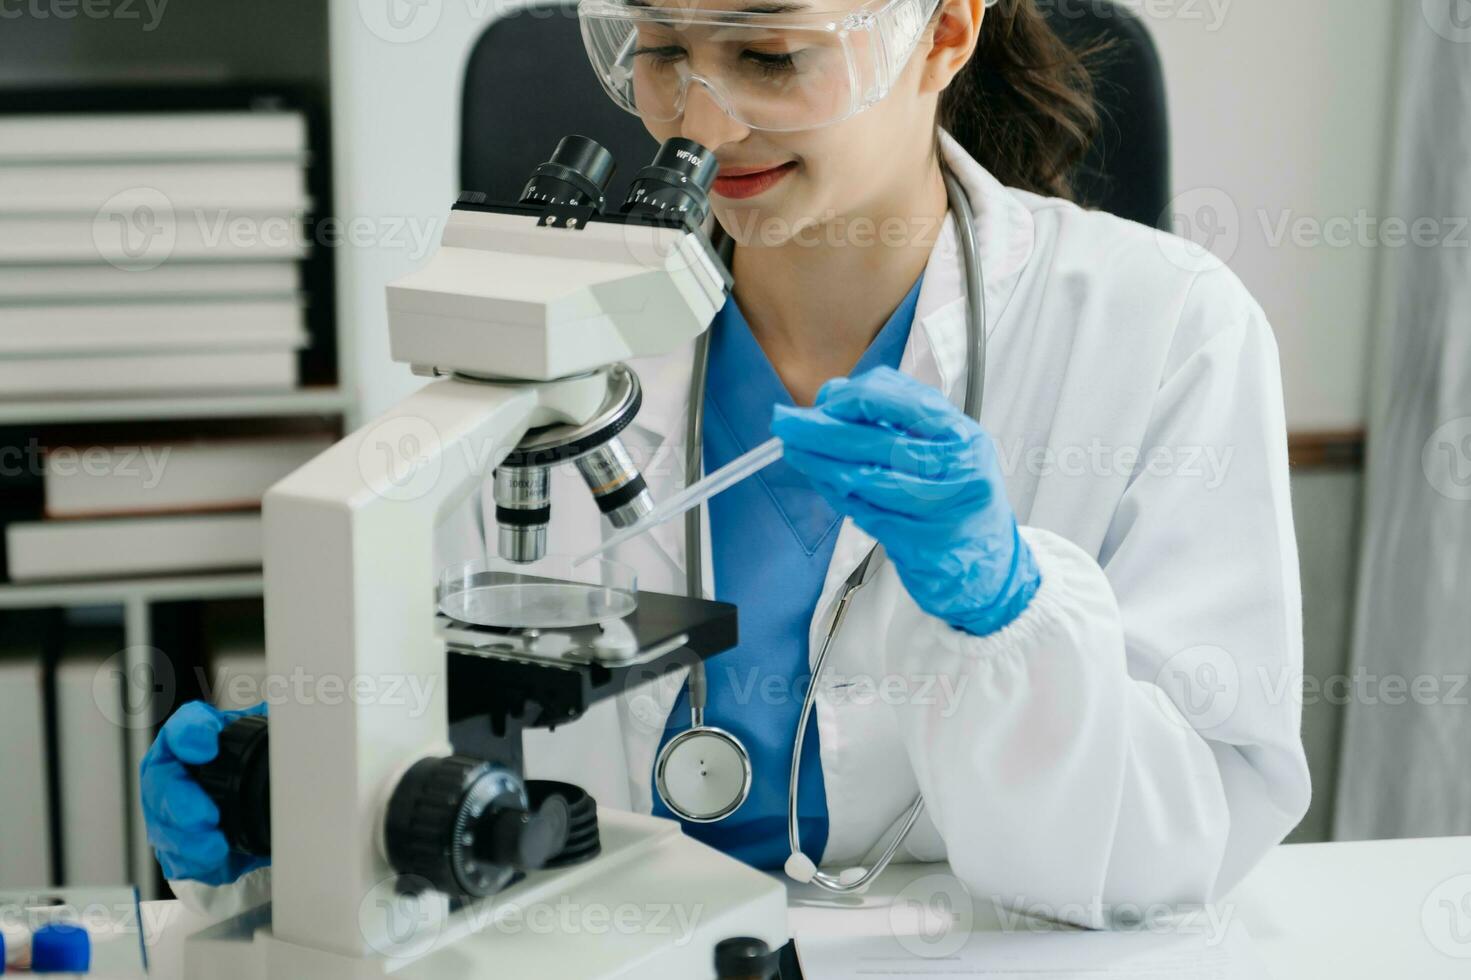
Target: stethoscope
x,y
703,774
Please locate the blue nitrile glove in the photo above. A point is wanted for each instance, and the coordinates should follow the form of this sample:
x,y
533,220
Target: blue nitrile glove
x,y
923,479
183,822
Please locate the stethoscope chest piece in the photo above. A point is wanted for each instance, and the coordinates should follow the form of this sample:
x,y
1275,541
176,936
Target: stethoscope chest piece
x,y
703,774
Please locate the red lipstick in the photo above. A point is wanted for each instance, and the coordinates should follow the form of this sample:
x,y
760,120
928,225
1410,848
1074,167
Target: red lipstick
x,y
743,183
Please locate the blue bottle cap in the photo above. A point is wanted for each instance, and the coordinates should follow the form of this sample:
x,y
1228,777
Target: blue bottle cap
x,y
61,947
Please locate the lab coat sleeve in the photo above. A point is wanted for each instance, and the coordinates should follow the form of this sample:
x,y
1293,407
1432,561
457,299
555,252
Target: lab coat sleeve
x,y
220,902
1133,737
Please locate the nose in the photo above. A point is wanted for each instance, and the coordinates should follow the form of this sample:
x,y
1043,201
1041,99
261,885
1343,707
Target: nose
x,y
706,122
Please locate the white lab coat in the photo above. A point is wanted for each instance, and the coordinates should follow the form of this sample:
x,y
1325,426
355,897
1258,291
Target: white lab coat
x,y
1133,737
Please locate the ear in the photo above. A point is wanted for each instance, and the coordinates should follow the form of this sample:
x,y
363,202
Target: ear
x,y
957,25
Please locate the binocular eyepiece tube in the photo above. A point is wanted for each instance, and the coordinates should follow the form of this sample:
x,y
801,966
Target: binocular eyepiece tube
x,y
676,183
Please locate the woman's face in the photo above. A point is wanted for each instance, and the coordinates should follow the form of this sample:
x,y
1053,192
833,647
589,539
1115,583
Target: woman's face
x,y
774,187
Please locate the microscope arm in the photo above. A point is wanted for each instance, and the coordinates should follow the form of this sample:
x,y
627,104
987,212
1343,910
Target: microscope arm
x,y
349,612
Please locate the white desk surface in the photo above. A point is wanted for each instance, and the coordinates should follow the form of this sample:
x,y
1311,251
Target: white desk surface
x,y
1353,911
1379,910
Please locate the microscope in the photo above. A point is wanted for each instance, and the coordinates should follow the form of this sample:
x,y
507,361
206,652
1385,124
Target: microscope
x,y
404,837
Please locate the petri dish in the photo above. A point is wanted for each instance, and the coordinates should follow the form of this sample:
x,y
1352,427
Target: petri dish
x,y
550,593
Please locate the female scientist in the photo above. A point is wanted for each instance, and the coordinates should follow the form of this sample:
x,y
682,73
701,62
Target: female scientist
x,y
1059,630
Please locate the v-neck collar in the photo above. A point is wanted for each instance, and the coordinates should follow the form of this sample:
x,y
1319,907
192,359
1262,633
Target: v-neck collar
x,y
744,387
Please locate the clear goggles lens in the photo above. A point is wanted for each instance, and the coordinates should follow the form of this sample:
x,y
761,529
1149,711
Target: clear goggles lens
x,y
771,71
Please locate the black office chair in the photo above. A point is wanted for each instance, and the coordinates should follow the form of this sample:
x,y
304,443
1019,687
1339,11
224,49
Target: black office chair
x,y
528,84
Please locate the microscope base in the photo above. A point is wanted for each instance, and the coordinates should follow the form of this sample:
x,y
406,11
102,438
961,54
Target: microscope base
x,y
652,905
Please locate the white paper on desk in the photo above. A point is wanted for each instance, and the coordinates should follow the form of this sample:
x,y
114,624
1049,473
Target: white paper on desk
x,y
827,954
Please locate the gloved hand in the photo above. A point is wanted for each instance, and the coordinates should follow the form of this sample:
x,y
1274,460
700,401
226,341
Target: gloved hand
x,y
923,479
183,822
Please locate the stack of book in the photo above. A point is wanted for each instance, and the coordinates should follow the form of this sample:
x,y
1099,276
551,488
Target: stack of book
x,y
124,507
151,254
63,711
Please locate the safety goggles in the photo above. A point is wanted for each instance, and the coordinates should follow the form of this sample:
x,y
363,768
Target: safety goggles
x,y
772,70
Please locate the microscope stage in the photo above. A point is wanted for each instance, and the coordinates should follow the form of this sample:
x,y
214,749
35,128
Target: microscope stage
x,y
558,674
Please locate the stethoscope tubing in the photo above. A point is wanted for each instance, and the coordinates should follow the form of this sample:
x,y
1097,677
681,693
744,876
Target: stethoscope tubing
x,y
975,296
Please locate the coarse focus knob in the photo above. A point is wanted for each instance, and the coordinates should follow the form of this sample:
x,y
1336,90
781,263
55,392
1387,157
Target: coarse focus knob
x,y
238,779
744,958
464,827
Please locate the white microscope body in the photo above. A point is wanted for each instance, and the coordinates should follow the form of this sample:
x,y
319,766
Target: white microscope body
x,y
521,315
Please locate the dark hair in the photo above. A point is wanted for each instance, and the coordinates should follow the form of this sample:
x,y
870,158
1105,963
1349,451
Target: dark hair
x,y
1023,105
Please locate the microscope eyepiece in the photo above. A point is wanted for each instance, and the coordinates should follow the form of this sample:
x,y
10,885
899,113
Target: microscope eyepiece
x,y
678,181
577,174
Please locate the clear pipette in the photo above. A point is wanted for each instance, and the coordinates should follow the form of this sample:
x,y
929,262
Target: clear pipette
x,y
695,494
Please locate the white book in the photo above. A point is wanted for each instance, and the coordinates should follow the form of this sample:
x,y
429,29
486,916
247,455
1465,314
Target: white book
x,y
132,546
142,237
92,760
25,810
152,136
29,284
132,327
151,374
200,474
264,185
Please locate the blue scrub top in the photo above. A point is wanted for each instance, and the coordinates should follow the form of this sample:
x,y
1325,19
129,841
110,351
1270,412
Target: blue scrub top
x,y
772,538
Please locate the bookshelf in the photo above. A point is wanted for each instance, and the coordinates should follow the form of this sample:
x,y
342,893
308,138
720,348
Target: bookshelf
x,y
210,56
134,600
